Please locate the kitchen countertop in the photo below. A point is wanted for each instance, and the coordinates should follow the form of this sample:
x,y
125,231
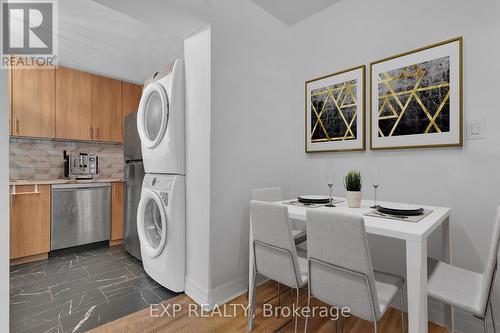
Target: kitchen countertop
x,y
62,181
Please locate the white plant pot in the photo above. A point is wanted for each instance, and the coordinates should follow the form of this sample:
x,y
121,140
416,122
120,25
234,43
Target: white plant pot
x,y
354,199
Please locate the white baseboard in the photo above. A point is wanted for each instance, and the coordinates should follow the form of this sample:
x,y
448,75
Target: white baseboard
x,y
222,294
229,290
196,292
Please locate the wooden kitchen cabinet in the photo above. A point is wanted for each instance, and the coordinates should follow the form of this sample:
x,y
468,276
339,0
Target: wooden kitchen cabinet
x,y
117,199
69,104
73,104
32,102
131,96
29,222
107,120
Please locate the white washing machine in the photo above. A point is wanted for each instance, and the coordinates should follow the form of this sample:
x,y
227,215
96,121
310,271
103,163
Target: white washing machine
x,y
161,225
160,123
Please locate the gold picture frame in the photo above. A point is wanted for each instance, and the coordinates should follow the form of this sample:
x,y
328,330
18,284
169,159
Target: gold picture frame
x,y
450,50
350,140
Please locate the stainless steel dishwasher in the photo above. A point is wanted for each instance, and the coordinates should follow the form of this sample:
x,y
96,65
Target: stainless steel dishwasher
x,y
81,214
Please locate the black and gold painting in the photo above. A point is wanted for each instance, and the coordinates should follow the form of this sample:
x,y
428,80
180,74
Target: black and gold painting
x,y
418,103
335,111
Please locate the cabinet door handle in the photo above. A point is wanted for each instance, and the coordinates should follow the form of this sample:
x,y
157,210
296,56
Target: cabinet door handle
x,y
17,125
96,133
91,135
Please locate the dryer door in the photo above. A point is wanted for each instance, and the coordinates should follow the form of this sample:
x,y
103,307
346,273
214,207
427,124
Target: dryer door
x,y
152,224
152,116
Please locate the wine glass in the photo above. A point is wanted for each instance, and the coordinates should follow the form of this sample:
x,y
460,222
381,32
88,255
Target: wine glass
x,y
375,178
330,180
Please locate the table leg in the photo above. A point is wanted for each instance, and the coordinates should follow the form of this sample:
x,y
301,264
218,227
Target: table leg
x,y
251,286
446,231
416,276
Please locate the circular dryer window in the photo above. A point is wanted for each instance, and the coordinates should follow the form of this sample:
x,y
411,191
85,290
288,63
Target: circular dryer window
x,y
153,115
152,224
152,118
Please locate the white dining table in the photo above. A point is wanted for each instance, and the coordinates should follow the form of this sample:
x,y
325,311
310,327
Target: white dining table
x,y
415,236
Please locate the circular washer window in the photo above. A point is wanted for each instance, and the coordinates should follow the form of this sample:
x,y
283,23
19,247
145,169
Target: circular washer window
x,y
152,224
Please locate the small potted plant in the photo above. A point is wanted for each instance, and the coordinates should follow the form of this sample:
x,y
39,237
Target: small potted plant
x,y
353,184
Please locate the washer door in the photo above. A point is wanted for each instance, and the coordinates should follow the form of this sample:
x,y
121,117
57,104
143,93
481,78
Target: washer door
x,y
152,117
152,224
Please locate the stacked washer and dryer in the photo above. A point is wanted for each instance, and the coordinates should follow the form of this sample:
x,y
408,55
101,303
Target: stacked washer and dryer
x,y
161,214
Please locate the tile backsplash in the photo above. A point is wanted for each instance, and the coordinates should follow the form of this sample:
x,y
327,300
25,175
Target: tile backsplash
x,y
43,159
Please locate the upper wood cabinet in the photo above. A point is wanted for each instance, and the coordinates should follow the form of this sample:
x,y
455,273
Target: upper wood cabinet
x,y
107,120
73,104
30,220
69,104
131,96
33,102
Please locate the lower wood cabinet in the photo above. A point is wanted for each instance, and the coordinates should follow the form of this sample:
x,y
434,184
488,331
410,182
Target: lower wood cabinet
x,y
117,199
29,221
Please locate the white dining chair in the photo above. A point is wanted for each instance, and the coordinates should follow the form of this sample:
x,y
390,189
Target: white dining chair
x,y
340,268
273,194
464,289
275,255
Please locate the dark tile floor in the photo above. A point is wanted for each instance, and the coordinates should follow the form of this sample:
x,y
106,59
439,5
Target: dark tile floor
x,y
78,289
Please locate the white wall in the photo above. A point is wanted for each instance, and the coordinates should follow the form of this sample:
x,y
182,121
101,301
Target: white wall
x,y
4,201
197,51
356,32
250,131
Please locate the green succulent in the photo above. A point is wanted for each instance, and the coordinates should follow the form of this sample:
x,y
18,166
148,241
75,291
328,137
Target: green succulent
x,y
353,181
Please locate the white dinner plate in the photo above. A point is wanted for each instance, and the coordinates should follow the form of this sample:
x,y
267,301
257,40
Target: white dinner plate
x,y
314,197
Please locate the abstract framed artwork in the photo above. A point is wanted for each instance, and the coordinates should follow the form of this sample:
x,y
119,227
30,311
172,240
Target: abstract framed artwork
x,y
416,98
335,112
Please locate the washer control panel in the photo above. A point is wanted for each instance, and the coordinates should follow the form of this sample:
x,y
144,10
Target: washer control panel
x,y
159,182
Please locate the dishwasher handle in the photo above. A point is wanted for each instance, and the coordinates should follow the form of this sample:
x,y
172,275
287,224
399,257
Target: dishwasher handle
x,y
71,187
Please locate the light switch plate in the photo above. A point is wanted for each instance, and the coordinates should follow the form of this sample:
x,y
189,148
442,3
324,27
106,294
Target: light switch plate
x,y
476,129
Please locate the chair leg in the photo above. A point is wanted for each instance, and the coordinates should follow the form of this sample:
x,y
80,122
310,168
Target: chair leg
x,y
493,318
340,325
252,306
402,309
375,328
296,306
485,325
308,308
279,299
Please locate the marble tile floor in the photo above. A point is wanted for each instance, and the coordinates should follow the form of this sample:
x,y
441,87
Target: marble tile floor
x,y
78,289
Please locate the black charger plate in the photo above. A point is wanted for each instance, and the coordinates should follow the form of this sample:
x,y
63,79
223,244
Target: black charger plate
x,y
407,212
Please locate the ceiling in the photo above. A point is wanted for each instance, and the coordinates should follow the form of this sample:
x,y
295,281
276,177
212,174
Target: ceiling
x,y
291,12
98,39
164,15
131,39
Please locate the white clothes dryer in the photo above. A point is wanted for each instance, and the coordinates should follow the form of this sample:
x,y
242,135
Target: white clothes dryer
x,y
160,123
